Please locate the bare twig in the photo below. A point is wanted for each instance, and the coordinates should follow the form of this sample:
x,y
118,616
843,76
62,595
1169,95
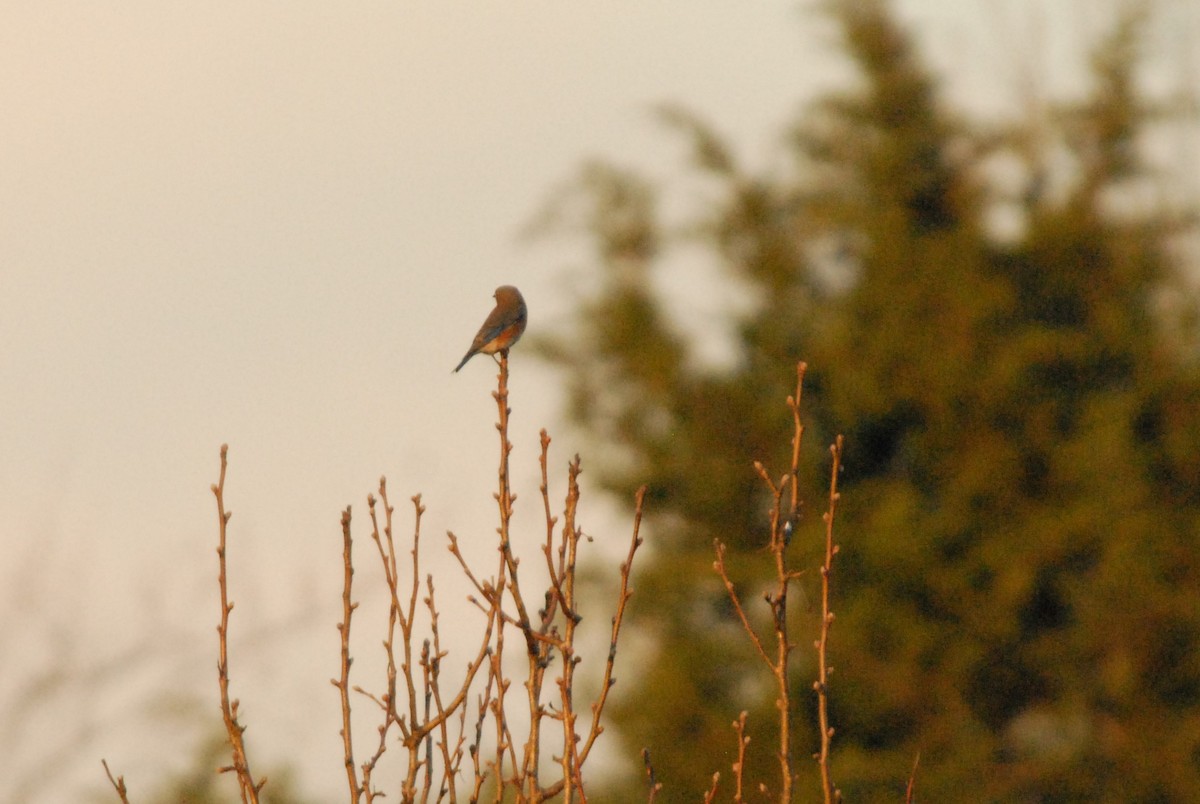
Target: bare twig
x,y
719,566
450,758
429,710
416,733
343,683
117,783
555,593
508,565
829,790
797,435
229,710
622,599
414,672
654,784
503,600
910,789
564,590
777,660
387,556
739,767
778,663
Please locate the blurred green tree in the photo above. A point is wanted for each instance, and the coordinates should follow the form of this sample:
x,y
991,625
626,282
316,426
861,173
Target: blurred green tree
x,y
1020,594
202,783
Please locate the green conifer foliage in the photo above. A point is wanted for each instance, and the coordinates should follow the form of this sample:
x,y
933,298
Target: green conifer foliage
x,y
1020,594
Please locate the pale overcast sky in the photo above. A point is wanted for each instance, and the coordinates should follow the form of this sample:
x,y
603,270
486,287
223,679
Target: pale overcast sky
x,y
278,225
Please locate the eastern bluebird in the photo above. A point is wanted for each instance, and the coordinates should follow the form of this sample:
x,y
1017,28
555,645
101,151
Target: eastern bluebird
x,y
503,327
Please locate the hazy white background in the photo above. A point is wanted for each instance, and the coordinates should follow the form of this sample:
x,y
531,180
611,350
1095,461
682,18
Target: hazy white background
x,y
278,225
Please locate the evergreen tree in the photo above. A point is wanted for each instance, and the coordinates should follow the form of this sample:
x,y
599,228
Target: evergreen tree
x,y
1021,595
203,783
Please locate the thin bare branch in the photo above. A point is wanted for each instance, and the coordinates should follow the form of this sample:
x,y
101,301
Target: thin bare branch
x,y
387,556
739,767
781,530
434,756
797,435
343,682
117,783
229,709
654,784
910,790
828,788
719,566
622,599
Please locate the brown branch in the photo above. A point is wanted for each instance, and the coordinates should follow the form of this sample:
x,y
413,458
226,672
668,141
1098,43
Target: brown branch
x,y
739,767
781,534
426,722
829,790
472,669
565,593
504,500
450,759
551,640
797,435
504,741
526,774
343,683
229,710
416,733
781,530
719,566
387,556
420,723
406,623
654,784
419,732
622,599
117,783
486,591
425,725
488,701
911,789
783,648
556,573
480,775
424,760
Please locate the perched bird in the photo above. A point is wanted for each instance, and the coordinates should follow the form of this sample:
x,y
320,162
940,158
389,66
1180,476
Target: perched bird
x,y
503,327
